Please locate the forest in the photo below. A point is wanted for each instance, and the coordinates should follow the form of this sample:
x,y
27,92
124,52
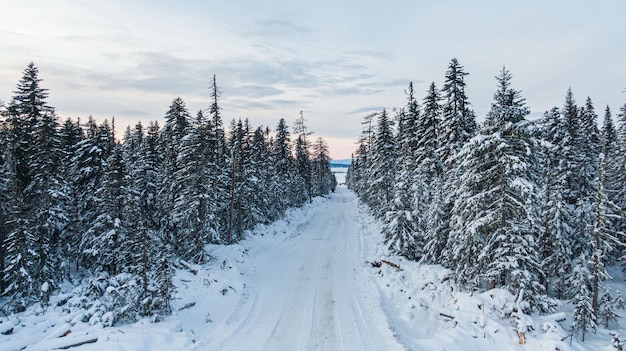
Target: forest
x,y
116,213
535,207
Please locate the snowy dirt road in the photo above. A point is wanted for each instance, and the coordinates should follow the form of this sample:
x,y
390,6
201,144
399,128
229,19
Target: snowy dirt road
x,y
308,292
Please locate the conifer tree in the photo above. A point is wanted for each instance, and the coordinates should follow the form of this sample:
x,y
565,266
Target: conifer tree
x,y
177,122
458,122
557,213
403,228
603,239
193,214
584,319
34,157
381,167
606,312
493,217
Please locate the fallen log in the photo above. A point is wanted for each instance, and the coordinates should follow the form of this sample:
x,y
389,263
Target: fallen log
x,y
88,341
391,264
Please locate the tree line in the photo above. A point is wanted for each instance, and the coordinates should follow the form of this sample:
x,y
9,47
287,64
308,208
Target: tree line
x,y
117,216
532,206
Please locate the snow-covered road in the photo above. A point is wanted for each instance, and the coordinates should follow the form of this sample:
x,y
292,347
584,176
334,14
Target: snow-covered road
x,y
308,292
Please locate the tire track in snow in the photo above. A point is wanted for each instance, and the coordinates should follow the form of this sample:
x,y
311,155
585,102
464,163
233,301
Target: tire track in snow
x,y
310,291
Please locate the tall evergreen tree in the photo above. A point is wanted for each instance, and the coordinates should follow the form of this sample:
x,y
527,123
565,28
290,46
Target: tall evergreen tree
x,y
177,122
33,155
458,122
584,319
403,228
381,169
493,218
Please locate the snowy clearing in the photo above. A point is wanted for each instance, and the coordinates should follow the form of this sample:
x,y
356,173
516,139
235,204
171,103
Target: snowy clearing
x,y
307,283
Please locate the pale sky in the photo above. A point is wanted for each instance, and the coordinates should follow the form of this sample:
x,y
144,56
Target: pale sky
x,y
335,60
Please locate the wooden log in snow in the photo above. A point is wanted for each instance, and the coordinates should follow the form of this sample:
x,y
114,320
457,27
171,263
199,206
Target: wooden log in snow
x,y
88,341
391,264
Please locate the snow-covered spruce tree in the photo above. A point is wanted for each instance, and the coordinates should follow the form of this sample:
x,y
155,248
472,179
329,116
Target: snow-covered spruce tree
x,y
323,178
603,238
217,162
101,243
618,176
303,155
5,191
142,160
606,311
47,195
610,148
579,170
430,167
591,133
356,175
557,214
403,228
281,156
457,127
493,233
458,122
192,214
427,135
20,289
70,135
265,209
381,167
177,122
241,192
34,157
584,319
89,164
608,135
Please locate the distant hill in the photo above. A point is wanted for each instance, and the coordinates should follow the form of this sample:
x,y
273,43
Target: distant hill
x,y
345,163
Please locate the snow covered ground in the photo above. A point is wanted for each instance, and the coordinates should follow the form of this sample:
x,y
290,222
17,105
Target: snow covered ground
x,y
307,283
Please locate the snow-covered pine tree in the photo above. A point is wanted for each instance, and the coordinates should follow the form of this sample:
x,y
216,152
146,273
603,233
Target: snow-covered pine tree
x,y
164,285
101,243
47,196
404,221
241,191
5,191
579,171
457,127
557,214
192,215
603,238
281,156
303,155
381,167
608,135
34,155
70,135
619,301
458,122
606,311
428,126
217,163
323,178
618,176
267,210
493,231
177,122
584,319
88,170
430,167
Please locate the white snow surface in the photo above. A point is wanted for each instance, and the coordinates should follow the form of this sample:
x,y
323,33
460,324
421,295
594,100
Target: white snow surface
x,y
306,282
